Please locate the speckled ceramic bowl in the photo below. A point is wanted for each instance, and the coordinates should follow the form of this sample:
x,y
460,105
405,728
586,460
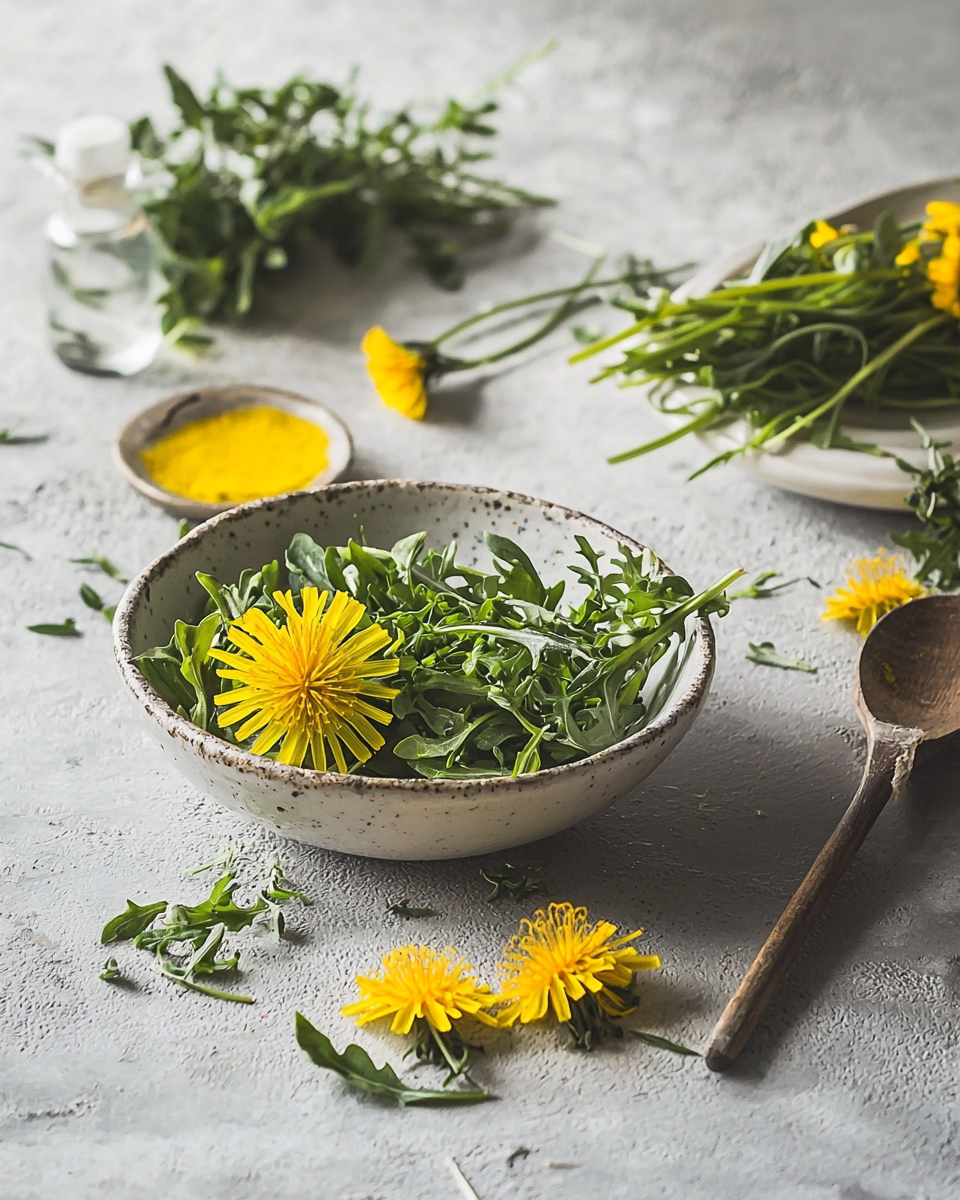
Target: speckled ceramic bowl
x,y
396,818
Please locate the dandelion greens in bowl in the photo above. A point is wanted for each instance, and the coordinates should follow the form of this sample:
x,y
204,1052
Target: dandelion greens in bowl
x,y
403,663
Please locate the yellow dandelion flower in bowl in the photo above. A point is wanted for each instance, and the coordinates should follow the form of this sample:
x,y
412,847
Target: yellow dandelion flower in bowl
x,y
398,373
425,991
303,684
582,971
874,587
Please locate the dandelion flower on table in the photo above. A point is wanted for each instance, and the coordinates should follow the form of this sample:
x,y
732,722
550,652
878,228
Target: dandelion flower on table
x,y
303,684
875,586
582,971
398,373
426,991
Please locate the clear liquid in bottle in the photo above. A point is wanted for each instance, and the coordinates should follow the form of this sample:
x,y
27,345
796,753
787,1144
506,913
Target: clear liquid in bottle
x,y
103,286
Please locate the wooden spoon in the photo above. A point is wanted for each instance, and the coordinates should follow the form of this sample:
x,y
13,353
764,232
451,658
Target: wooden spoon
x,y
907,691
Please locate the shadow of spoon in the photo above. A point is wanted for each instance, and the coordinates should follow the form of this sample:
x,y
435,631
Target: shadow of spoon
x,y
907,692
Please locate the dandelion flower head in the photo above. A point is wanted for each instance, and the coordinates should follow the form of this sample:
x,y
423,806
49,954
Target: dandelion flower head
x,y
822,233
874,587
398,374
559,956
418,982
943,271
303,683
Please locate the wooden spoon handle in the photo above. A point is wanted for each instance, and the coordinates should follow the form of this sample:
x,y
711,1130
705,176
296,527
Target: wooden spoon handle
x,y
790,932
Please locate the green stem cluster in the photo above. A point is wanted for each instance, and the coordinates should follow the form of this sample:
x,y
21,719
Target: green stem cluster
x,y
813,334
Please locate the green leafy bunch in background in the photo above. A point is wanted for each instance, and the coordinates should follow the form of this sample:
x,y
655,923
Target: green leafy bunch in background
x,y
249,175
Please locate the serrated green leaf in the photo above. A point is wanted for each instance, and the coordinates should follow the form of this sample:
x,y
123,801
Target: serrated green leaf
x,y
403,908
356,1067
662,1043
769,656
67,628
132,922
103,564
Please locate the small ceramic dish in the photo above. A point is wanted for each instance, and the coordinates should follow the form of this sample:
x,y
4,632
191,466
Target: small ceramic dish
x,y
844,476
170,414
397,818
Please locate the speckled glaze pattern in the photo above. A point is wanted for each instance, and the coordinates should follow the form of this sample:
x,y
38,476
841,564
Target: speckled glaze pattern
x,y
392,818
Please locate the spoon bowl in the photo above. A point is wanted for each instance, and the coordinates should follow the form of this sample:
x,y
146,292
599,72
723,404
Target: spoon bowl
x,y
909,670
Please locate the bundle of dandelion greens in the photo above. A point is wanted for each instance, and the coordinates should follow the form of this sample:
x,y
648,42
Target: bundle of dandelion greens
x,y
829,326
405,663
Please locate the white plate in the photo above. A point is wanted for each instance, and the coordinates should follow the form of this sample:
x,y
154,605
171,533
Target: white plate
x,y
844,476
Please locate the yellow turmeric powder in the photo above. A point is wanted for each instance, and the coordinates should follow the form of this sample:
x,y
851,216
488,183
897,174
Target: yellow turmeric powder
x,y
242,454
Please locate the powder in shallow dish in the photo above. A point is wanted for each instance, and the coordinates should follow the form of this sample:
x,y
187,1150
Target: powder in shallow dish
x,y
238,455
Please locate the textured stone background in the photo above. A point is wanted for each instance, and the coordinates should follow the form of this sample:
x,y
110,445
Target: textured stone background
x,y
675,128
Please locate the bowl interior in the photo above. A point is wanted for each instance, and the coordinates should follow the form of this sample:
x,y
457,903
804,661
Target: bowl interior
x,y
176,411
256,533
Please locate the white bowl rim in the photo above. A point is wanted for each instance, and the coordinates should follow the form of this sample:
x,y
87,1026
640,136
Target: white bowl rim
x,y
124,453
213,747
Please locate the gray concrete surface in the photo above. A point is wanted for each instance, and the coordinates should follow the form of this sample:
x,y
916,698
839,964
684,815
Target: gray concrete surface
x,y
673,128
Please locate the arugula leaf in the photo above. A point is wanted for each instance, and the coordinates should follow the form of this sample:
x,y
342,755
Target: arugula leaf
x,y
356,1067
110,970
662,1043
187,941
518,880
767,654
67,629
403,908
19,550
759,591
132,922
9,438
103,564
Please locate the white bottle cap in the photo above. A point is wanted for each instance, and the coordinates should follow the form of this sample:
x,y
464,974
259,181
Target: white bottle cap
x,y
93,148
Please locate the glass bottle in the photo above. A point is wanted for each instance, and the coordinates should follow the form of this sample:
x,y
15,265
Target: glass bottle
x,y
104,285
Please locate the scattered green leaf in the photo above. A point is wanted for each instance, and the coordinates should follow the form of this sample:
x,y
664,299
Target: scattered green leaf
x,y
767,654
356,1067
187,941
586,335
183,529
9,438
403,908
102,564
110,970
520,1152
19,550
662,1043
67,628
758,590
132,922
518,880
